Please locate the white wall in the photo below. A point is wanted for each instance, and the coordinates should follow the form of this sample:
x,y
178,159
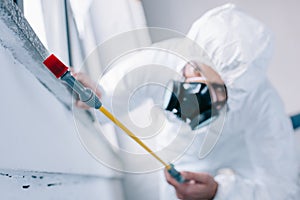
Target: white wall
x,y
282,17
41,155
38,134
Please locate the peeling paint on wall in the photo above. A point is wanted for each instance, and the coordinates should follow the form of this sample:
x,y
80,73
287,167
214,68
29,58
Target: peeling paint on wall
x,y
17,36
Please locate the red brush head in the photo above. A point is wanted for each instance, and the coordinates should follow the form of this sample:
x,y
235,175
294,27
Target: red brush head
x,y
55,66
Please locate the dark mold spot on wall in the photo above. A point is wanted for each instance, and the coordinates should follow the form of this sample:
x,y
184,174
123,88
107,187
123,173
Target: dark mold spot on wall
x,y
25,186
53,184
3,174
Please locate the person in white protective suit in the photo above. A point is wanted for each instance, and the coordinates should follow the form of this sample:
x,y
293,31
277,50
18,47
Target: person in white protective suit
x,y
256,145
254,156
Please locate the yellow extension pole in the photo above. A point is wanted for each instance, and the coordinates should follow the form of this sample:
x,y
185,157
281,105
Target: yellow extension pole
x,y
60,70
130,134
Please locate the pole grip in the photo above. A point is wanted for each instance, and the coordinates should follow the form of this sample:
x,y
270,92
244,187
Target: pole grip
x,y
86,95
175,174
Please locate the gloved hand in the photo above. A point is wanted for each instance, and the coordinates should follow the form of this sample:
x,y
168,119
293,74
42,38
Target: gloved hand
x,y
199,186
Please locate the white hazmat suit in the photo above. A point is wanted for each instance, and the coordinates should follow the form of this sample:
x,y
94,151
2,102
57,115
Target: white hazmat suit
x,y
257,141
254,157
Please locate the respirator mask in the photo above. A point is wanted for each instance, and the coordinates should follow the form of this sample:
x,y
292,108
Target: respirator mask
x,y
196,103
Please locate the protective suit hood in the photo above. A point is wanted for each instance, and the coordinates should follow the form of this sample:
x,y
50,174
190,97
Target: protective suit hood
x,y
238,46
